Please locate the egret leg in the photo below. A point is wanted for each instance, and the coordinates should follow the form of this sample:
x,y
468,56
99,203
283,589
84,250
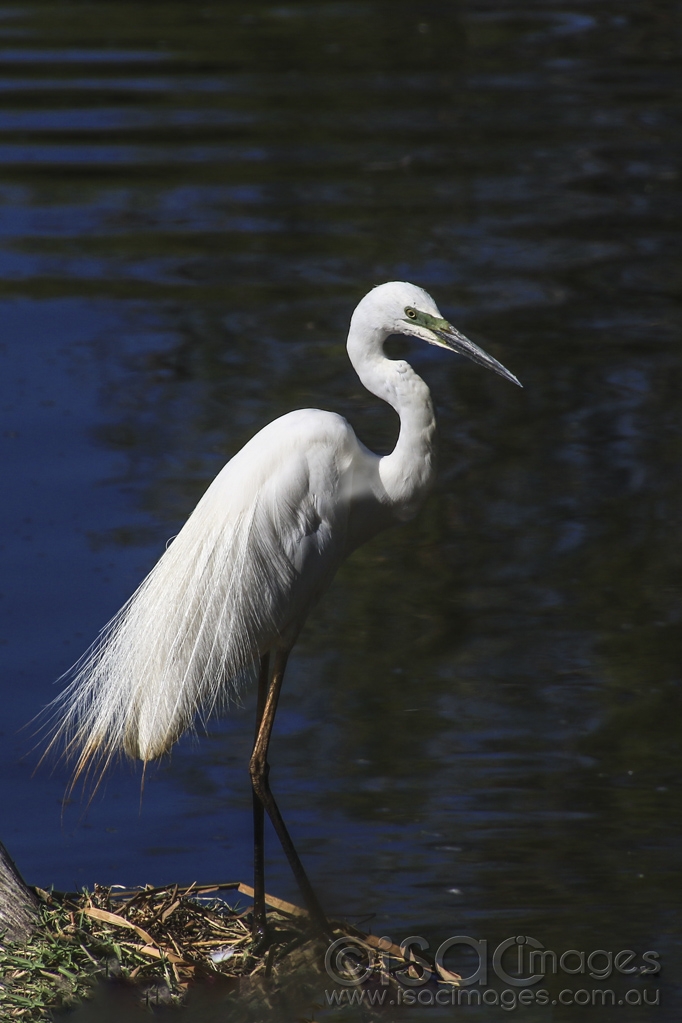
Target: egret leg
x,y
260,770
259,921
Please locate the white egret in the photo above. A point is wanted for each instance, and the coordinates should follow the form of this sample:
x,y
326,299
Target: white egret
x,y
234,588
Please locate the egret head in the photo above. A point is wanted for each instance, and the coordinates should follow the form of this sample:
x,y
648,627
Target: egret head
x,y
407,309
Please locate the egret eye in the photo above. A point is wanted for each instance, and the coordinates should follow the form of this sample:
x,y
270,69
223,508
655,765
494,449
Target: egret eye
x,y
412,313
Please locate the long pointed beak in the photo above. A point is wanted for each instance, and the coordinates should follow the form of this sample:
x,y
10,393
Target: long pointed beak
x,y
451,338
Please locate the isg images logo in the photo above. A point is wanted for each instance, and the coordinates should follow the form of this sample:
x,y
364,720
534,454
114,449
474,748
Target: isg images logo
x,y
519,971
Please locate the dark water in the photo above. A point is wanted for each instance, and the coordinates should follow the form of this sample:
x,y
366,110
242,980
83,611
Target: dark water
x,y
479,733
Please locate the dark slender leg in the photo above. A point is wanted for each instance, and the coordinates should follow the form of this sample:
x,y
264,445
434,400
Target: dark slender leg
x,y
260,770
259,924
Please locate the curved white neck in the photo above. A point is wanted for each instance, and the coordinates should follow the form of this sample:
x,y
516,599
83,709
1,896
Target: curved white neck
x,y
408,472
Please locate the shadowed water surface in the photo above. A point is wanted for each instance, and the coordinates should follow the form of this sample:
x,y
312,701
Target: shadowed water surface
x,y
479,730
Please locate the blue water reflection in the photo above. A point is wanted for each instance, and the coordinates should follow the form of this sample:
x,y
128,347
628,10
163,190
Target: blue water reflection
x,y
479,731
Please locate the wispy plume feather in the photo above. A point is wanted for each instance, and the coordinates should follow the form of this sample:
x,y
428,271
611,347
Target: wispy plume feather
x,y
184,642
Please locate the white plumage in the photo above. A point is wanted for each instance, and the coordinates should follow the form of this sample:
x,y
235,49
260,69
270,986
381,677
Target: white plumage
x,y
259,549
